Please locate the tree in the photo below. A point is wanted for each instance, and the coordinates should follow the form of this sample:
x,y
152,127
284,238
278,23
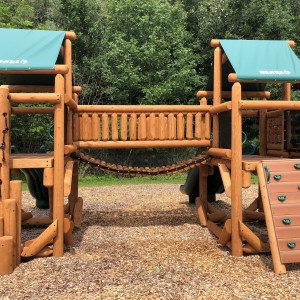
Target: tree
x,y
147,58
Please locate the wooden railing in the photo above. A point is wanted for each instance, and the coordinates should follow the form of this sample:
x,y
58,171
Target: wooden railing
x,y
141,126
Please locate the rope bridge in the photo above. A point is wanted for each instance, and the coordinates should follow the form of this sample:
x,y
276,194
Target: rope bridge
x,y
140,171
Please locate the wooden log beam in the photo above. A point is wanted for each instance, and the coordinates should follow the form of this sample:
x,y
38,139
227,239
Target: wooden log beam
x,y
236,170
214,228
32,110
141,144
265,104
41,241
219,216
37,89
68,232
219,108
226,178
253,239
37,221
58,187
227,94
68,178
34,98
226,233
77,214
219,152
119,109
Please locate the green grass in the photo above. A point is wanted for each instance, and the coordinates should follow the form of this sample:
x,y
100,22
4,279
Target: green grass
x,y
110,180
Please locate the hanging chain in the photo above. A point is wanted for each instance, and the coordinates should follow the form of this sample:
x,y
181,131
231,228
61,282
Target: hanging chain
x,y
140,171
4,132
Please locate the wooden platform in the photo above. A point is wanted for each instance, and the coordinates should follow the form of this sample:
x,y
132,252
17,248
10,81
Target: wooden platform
x,y
249,162
31,160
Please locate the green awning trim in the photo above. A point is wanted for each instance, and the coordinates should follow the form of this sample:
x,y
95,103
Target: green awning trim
x,y
262,60
23,49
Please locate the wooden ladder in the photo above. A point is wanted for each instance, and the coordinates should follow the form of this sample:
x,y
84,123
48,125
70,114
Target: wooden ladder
x,y
279,182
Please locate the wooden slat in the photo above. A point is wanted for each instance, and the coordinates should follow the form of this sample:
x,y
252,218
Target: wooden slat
x,y
96,127
161,127
132,127
114,127
19,161
105,127
180,126
124,127
189,126
142,127
198,126
171,126
152,127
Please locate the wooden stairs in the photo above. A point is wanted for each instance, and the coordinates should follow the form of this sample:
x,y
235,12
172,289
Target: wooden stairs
x,y
280,190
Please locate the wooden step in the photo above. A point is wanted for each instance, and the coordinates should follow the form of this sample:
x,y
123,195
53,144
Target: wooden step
x,y
31,160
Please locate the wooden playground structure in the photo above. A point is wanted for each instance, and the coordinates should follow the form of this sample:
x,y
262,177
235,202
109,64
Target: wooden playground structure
x,y
110,127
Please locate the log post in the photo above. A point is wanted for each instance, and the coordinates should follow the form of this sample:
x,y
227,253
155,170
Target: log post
x,y
74,188
217,93
68,87
236,171
6,255
58,188
201,201
10,223
5,137
16,193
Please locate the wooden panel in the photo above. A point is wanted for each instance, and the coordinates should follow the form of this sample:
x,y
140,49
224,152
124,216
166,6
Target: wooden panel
x,y
283,220
283,165
286,198
278,177
19,161
290,256
283,187
289,209
283,244
288,232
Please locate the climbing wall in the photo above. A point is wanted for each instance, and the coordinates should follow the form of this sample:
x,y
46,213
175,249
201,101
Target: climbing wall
x,y
282,183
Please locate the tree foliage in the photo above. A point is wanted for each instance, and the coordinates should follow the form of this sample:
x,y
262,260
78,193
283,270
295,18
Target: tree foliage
x,y
148,51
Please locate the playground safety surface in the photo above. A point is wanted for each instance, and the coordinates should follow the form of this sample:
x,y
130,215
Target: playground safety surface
x,y
145,242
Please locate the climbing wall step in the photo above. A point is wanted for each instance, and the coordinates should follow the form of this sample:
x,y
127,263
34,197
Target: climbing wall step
x,y
282,179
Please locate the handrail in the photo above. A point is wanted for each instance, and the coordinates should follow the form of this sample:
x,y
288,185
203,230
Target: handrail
x,y
142,108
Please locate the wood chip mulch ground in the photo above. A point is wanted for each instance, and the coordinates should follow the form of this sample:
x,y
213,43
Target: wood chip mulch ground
x,y
145,242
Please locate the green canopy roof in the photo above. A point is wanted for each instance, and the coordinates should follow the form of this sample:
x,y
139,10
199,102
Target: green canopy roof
x,y
29,49
262,60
